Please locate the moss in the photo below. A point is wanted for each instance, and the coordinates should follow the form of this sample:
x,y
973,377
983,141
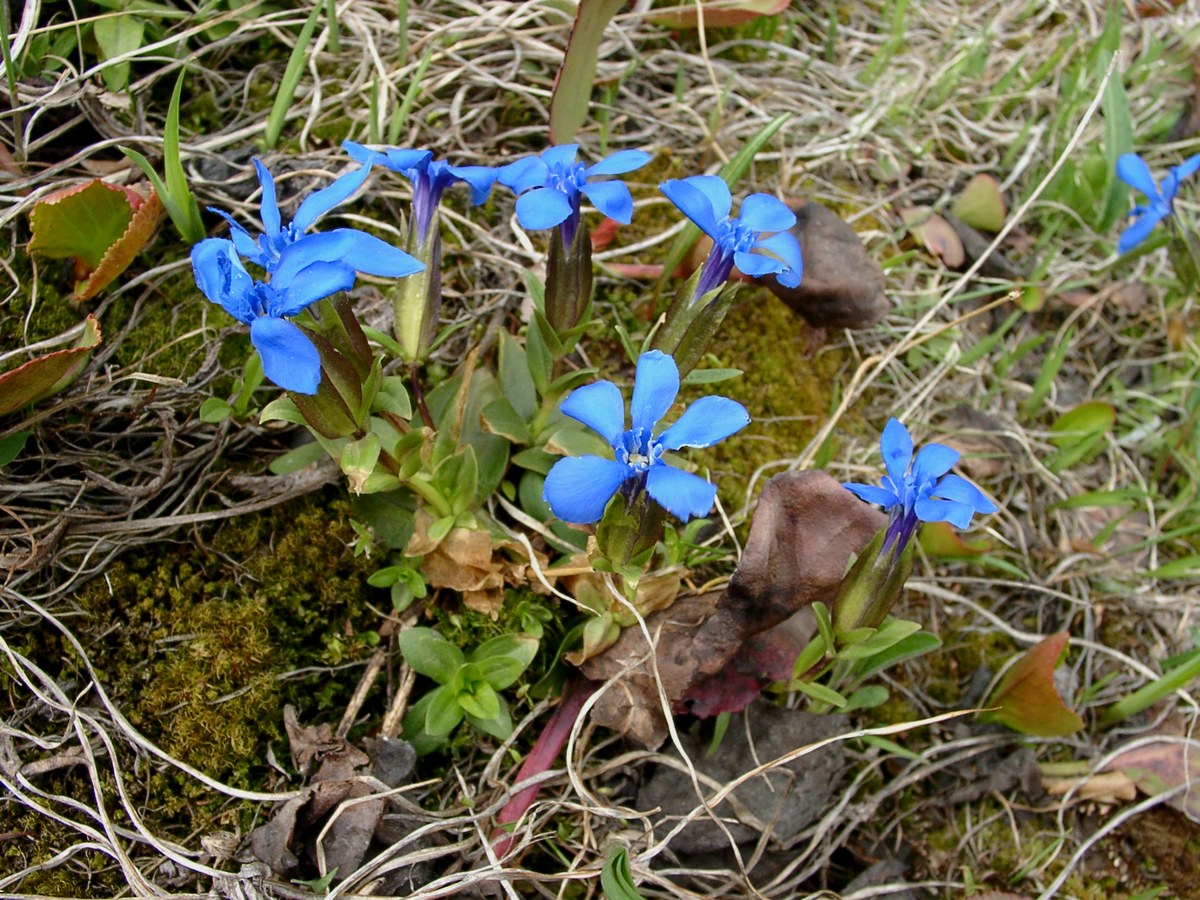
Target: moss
x,y
28,839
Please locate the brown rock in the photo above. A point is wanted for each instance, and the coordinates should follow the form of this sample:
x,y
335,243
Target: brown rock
x,y
842,287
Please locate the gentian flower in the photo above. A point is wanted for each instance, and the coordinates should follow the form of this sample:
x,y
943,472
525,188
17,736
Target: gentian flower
x,y
705,199
549,188
357,249
920,491
429,177
289,357
578,488
1132,170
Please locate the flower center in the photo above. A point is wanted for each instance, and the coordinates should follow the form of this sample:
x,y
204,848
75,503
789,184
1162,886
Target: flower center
x,y
568,179
637,453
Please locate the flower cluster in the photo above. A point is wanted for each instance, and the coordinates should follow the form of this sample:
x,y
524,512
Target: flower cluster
x,y
920,490
578,488
1132,170
302,268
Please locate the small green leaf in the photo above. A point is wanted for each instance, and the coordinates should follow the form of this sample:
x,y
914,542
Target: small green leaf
x,y
890,633
820,693
444,713
47,375
430,654
117,34
499,726
710,376
500,417
1079,433
214,410
393,397
868,697
911,647
515,381
12,445
281,409
615,877
980,204
479,700
358,460
297,459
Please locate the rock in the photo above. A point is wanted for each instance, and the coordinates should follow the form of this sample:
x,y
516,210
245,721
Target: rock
x,y
842,287
783,800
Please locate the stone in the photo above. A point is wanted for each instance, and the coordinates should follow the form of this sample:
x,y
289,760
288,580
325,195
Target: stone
x,y
842,287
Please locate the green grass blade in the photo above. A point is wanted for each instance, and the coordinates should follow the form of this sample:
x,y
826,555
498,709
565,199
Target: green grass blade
x,y
400,116
291,79
190,225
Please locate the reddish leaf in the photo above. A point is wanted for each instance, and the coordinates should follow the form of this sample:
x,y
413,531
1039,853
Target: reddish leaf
x,y
47,375
936,235
1027,699
1159,767
603,234
721,13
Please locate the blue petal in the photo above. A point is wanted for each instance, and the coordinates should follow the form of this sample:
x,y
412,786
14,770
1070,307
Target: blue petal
x,y
316,205
314,282
1139,230
222,278
786,247
1132,170
872,494
480,178
362,154
246,245
952,487
557,158
680,493
897,449
542,207
755,264
598,406
705,199
612,198
523,174
762,212
578,488
933,461
288,356
705,422
269,214
957,514
619,163
357,249
1187,168
405,160
654,388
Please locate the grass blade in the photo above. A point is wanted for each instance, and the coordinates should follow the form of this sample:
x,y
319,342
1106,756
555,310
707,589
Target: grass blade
x,y
291,78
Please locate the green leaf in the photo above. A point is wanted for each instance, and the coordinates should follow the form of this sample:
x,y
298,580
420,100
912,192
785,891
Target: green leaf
x,y
281,409
358,460
81,221
824,623
911,647
430,654
499,417
499,726
820,693
710,376
1079,433
891,747
479,700
520,647
214,410
515,381
615,877
868,697
47,375
980,204
393,397
890,633
573,83
291,79
297,459
1118,139
457,477
444,712
11,446
116,35
809,656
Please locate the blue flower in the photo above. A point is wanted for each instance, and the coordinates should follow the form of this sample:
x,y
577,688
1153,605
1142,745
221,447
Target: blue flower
x,y
549,188
578,488
357,249
429,177
705,199
920,491
289,357
1132,170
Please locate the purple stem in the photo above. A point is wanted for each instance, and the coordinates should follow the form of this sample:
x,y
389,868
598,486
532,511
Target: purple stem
x,y
545,751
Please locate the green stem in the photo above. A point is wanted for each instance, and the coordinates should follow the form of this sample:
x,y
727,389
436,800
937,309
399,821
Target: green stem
x,y
427,492
1151,693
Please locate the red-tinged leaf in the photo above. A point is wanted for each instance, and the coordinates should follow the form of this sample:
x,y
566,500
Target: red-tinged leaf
x,y
1159,767
936,235
1026,698
721,13
47,375
641,271
941,540
146,216
603,234
727,691
99,225
573,84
